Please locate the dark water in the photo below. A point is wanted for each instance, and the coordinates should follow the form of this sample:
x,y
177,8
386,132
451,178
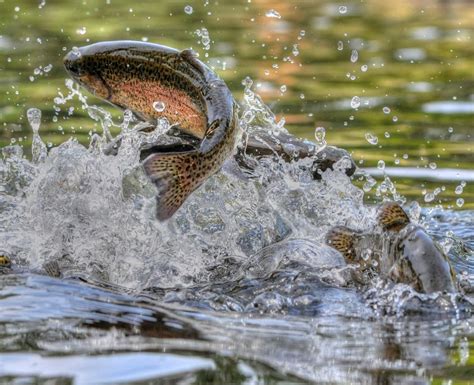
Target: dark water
x,y
211,297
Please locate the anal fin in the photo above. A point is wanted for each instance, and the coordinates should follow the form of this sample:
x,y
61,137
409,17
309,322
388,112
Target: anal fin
x,y
176,176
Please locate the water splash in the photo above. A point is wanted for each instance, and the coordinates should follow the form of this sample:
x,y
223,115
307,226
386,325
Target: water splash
x,y
92,214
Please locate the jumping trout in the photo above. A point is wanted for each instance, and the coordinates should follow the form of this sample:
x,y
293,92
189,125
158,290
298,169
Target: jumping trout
x,y
155,81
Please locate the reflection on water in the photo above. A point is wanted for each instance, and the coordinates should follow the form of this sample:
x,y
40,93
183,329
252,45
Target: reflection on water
x,y
193,345
238,288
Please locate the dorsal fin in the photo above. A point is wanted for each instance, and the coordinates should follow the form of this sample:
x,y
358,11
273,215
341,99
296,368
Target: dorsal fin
x,y
392,217
191,57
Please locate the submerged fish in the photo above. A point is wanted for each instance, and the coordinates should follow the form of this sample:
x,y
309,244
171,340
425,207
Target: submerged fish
x,y
155,81
400,250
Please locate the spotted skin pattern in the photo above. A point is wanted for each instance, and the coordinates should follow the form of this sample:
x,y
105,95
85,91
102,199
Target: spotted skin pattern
x,y
341,238
135,75
4,261
392,217
177,174
412,257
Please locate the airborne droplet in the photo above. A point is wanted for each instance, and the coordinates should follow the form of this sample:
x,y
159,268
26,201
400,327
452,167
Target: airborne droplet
x,y
355,102
372,139
34,118
354,56
159,106
273,13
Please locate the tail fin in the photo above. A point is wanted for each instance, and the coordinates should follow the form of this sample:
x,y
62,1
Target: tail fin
x,y
176,175
342,239
392,217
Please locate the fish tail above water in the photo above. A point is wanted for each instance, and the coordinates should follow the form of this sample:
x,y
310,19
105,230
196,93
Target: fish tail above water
x,y
342,239
392,217
176,176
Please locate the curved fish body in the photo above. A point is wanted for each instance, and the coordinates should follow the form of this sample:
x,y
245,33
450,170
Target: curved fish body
x,y
402,251
155,81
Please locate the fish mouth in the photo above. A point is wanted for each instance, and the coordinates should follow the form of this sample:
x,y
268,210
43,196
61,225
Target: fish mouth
x,y
75,64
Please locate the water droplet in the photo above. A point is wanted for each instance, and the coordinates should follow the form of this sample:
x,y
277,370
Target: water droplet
x,y
81,31
48,68
459,202
432,165
283,89
17,9
366,254
405,156
34,118
159,106
355,102
247,82
76,53
459,190
354,56
364,68
302,96
342,9
320,135
273,13
386,110
381,165
395,119
450,130
372,139
387,134
188,9
340,45
295,50
429,197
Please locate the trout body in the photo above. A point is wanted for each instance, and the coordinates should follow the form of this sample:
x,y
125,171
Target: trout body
x,y
155,81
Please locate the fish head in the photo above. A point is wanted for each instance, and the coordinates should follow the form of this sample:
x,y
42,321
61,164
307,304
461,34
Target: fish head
x,y
420,262
103,68
151,80
87,70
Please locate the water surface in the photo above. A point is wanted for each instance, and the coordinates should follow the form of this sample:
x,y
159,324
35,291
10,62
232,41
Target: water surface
x,y
211,297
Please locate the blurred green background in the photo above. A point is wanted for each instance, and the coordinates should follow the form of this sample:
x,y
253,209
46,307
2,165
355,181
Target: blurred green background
x,y
410,62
